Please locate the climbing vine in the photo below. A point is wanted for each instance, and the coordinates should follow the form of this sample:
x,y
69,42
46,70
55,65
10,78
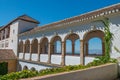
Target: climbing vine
x,y
108,37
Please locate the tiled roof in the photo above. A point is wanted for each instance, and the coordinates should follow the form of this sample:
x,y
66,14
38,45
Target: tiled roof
x,y
23,17
7,54
28,18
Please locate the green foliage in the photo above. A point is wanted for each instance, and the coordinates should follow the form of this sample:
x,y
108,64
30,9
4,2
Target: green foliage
x,y
19,75
30,73
101,60
3,68
108,37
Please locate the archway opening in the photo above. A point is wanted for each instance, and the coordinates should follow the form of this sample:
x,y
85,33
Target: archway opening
x,y
77,47
44,45
21,47
27,46
33,69
35,46
25,68
69,47
57,47
95,46
72,44
94,43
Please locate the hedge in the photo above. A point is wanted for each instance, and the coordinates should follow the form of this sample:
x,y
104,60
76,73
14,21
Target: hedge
x,y
3,68
30,73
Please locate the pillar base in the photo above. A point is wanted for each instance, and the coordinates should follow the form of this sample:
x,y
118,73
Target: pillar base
x,y
29,59
48,62
38,60
62,64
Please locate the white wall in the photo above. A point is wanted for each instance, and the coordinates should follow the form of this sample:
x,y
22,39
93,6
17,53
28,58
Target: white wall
x,y
30,65
14,36
24,26
115,29
79,29
27,56
43,57
63,32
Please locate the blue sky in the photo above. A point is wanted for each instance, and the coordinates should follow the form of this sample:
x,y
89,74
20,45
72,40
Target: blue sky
x,y
48,11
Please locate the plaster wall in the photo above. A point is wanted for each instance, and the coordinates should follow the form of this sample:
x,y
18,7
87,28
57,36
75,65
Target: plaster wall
x,y
30,65
115,29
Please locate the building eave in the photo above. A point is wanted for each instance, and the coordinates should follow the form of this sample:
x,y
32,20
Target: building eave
x,y
103,12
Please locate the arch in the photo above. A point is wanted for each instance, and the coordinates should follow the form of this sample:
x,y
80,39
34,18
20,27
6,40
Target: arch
x,y
21,47
92,34
72,38
55,38
33,69
34,46
56,43
27,46
25,68
44,45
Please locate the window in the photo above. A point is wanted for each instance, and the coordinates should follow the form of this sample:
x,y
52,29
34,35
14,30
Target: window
x,y
6,44
13,31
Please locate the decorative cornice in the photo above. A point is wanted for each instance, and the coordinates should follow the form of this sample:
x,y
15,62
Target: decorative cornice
x,y
84,17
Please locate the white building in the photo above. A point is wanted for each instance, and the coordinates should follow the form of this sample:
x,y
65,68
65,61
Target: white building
x,y
35,45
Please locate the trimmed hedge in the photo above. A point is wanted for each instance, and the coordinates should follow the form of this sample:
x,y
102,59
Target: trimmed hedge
x,y
30,73
19,75
3,68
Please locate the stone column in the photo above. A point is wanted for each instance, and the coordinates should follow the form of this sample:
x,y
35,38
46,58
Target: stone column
x,y
73,47
81,52
63,54
86,46
39,51
103,48
30,52
53,49
49,53
23,51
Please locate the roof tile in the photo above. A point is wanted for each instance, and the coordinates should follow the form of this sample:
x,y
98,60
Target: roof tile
x,y
7,54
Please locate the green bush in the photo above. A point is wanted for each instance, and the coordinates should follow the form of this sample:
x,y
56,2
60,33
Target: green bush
x,y
30,73
101,60
3,68
19,75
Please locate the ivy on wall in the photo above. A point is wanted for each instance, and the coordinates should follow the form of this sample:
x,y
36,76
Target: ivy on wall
x,y
3,68
108,37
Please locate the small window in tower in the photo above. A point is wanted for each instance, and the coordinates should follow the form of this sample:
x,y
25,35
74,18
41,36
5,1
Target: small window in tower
x,y
12,41
13,31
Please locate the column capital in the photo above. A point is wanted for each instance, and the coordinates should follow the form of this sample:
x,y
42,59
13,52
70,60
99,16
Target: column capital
x,y
81,40
49,43
62,41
